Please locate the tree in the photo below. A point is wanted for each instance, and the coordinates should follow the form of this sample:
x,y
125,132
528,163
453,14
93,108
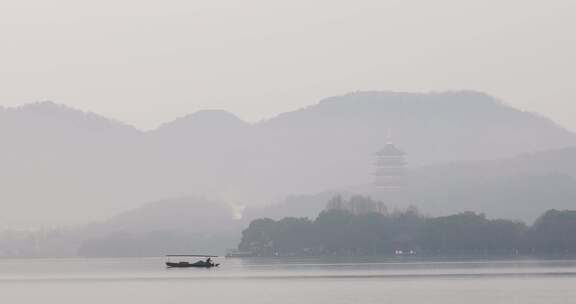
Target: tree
x,y
553,233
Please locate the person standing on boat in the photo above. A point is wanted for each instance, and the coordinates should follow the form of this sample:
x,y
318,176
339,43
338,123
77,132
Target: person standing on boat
x,y
208,261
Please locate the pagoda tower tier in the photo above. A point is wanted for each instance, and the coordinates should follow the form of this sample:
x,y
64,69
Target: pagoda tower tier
x,y
390,166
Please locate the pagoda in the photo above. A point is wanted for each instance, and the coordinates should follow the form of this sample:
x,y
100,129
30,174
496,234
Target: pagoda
x,y
390,166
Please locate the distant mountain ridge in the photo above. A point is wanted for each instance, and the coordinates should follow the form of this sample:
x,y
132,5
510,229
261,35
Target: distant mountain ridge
x,y
56,158
205,119
50,111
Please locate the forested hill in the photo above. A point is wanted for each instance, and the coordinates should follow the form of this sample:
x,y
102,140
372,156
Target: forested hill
x,y
95,167
361,226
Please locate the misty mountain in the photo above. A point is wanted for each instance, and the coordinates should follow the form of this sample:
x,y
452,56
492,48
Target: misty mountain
x,y
199,122
186,214
519,187
181,225
58,163
61,165
332,143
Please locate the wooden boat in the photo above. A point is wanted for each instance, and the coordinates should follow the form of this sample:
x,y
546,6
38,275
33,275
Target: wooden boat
x,y
198,264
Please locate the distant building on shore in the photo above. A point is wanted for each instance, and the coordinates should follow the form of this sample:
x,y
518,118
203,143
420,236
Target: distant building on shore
x,y
390,165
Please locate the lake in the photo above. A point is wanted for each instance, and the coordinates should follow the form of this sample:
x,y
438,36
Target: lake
x,y
311,280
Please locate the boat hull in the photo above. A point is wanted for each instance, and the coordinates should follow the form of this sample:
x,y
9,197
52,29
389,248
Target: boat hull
x,y
189,265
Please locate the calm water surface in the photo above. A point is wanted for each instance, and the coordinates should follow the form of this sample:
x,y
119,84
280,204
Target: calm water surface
x,y
287,281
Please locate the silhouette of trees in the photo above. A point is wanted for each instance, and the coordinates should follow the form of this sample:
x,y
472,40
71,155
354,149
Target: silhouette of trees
x,y
361,226
469,233
554,233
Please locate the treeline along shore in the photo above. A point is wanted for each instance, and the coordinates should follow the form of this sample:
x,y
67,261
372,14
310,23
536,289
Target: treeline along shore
x,y
361,226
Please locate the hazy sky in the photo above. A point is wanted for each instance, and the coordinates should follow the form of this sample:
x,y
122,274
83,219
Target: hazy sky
x,y
147,62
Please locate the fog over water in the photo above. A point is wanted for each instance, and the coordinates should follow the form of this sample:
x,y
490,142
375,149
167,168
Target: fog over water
x,y
325,280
